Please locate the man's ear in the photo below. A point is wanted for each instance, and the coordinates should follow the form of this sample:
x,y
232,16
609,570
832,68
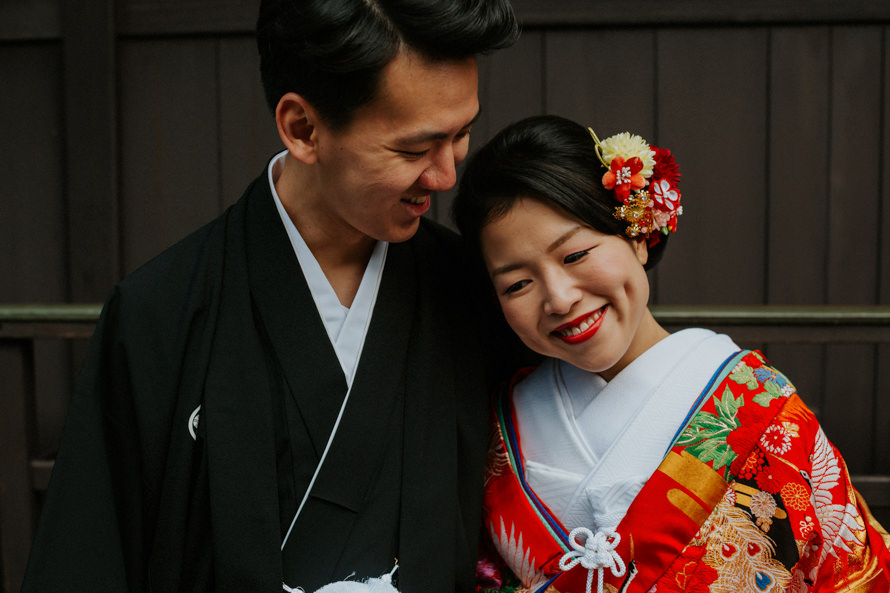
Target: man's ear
x,y
296,120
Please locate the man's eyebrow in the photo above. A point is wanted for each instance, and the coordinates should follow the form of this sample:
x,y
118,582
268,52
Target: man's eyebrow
x,y
425,136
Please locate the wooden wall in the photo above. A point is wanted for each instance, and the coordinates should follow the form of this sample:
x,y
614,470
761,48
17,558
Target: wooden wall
x,y
127,123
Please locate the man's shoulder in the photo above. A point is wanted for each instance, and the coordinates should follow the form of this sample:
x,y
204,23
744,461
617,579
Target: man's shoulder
x,y
438,245
174,271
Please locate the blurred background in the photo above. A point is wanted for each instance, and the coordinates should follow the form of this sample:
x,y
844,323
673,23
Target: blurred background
x,y
125,124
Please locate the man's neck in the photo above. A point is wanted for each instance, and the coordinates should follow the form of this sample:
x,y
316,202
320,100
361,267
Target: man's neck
x,y
341,252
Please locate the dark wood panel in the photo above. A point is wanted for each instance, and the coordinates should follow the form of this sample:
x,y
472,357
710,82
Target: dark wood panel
x,y
586,80
797,181
90,97
169,153
32,217
247,132
22,20
18,511
712,109
882,383
798,154
852,271
174,17
160,17
855,165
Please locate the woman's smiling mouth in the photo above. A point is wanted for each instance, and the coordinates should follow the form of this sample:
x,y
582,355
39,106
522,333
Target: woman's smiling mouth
x,y
582,328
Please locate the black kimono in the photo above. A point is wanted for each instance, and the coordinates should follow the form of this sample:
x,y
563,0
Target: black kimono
x,y
147,495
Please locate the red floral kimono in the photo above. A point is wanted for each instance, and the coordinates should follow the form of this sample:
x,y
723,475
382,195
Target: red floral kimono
x,y
750,497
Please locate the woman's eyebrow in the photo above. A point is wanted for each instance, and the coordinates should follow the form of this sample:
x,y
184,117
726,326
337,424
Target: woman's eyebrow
x,y
564,237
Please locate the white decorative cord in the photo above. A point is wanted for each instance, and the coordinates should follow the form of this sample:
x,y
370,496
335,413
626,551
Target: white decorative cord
x,y
597,554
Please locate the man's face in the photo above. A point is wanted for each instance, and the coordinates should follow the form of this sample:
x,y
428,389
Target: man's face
x,y
377,174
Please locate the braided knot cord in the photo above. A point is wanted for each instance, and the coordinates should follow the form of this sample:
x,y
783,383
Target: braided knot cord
x,y
596,554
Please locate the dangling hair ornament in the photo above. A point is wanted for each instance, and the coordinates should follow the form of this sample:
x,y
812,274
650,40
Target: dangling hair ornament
x,y
644,179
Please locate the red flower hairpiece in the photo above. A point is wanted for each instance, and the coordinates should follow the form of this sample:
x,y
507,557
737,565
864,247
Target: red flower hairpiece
x,y
644,178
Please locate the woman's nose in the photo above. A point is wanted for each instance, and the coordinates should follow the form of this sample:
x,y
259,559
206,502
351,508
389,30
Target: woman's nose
x,y
562,295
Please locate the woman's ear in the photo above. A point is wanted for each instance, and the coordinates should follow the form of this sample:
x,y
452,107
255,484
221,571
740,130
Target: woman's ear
x,y
641,249
297,120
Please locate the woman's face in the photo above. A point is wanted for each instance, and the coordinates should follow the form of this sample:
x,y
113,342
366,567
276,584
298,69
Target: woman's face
x,y
567,290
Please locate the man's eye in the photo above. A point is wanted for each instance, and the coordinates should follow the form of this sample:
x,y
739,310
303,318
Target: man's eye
x,y
413,154
572,258
516,286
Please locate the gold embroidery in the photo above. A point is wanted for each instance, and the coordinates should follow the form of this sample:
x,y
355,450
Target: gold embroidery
x,y
744,494
688,505
696,476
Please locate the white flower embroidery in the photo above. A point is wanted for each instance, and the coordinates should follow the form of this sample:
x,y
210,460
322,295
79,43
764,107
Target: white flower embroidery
x,y
776,440
763,505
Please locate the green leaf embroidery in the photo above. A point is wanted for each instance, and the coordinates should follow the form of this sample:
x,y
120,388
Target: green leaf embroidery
x,y
744,375
771,391
705,436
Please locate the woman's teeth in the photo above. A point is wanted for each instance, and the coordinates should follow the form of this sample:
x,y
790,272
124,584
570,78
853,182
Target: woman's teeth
x,y
581,327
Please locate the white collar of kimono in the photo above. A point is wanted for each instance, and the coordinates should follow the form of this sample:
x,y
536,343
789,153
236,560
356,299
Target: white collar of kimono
x,y
590,445
346,326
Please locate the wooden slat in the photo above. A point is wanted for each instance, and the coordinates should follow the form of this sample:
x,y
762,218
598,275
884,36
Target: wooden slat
x,y
90,102
172,17
852,272
18,511
30,20
248,136
166,17
169,165
32,216
596,93
797,152
882,382
712,116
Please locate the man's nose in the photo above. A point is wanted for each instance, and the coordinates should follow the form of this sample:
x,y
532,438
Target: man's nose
x,y
441,175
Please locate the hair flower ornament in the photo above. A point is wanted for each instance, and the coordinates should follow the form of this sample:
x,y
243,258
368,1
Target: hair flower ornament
x,y
644,178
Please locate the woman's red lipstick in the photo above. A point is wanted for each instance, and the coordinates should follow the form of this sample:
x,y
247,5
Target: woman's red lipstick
x,y
591,326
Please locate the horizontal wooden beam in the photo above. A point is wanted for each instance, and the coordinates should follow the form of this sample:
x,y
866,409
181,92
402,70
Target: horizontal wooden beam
x,y
41,19
239,16
584,13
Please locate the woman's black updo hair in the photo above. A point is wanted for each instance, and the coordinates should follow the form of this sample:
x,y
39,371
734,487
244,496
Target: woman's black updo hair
x,y
548,158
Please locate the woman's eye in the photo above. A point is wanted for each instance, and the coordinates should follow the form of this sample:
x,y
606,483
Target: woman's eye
x,y
516,286
572,258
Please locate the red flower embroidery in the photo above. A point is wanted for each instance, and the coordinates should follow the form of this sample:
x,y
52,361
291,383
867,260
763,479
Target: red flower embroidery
x,y
688,574
767,482
624,176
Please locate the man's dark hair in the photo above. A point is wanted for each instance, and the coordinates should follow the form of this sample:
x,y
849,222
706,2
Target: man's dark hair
x,y
547,158
333,52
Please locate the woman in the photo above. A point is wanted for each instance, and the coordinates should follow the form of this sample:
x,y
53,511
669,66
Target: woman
x,y
633,459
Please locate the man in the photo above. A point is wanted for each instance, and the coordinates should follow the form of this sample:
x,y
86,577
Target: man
x,y
296,392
